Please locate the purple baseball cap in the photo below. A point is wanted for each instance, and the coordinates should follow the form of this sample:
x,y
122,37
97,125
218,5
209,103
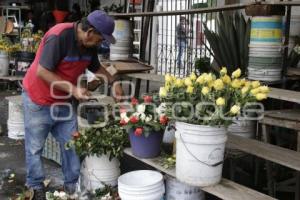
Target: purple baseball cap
x,y
103,23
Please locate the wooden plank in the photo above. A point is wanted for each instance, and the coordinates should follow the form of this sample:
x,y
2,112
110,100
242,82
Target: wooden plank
x,y
12,78
182,12
281,123
287,114
276,154
129,66
293,71
15,7
147,76
226,189
202,10
286,95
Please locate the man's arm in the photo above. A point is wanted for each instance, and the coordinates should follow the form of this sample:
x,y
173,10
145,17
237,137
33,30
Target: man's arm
x,y
60,84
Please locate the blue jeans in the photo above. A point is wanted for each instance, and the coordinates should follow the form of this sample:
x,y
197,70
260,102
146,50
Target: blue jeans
x,y
38,124
181,47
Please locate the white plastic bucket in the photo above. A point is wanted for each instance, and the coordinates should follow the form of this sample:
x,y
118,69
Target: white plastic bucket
x,y
169,136
142,185
265,60
176,190
199,153
16,112
122,43
295,25
269,75
4,64
119,56
264,51
16,130
242,127
120,50
15,122
98,170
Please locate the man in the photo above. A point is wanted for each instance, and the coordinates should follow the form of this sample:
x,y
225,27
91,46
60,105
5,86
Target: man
x,y
181,36
66,51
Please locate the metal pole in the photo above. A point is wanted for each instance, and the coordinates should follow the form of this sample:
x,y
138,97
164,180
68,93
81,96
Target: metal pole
x,y
286,45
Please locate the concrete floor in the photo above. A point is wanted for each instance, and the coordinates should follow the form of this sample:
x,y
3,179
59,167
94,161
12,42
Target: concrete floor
x,y
12,159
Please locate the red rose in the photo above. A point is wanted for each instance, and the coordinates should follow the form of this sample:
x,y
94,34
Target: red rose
x,y
76,135
123,122
134,119
163,120
147,99
134,101
138,131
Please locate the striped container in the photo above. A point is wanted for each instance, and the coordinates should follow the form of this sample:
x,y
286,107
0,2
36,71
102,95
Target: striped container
x,y
121,50
265,55
266,30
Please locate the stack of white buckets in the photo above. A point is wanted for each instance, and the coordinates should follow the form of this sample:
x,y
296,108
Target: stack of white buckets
x,y
121,50
141,185
4,63
97,171
265,56
15,123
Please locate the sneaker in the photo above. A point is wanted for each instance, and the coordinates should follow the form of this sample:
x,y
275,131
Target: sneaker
x,y
39,194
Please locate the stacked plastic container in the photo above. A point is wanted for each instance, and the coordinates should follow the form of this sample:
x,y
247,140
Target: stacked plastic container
x,y
265,56
121,50
141,185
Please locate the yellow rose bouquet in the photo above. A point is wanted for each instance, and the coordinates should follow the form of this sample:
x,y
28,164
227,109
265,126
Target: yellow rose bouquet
x,y
210,99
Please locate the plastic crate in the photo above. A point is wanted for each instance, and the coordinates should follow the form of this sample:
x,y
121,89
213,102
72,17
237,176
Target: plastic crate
x,y
52,150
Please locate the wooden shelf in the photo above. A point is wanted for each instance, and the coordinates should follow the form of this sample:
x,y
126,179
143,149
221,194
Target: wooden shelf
x,y
15,7
226,189
293,71
12,78
286,95
276,154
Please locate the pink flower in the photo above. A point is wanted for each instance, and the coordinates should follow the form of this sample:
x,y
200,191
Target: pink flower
x,y
134,101
147,99
138,131
134,119
76,135
123,122
163,120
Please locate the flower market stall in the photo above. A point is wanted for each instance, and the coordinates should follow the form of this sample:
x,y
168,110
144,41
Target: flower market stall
x,y
210,110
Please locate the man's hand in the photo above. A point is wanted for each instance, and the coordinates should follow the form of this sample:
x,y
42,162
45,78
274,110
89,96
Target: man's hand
x,y
81,93
118,92
93,85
